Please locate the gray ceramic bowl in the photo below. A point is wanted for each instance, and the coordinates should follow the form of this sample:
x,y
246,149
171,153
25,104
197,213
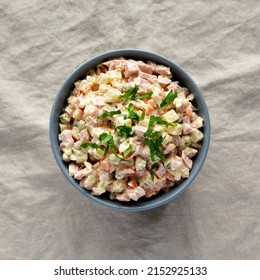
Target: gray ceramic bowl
x,y
178,74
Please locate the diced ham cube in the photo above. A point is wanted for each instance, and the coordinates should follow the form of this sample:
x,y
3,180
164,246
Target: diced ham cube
x,y
162,70
106,164
144,67
75,133
163,81
187,161
131,194
190,152
170,147
126,172
131,69
170,176
84,135
69,110
197,123
144,85
140,130
67,140
186,125
176,140
105,175
98,101
151,78
160,170
115,64
90,121
140,173
82,173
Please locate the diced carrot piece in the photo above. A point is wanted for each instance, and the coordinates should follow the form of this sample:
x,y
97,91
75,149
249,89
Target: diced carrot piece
x,y
132,184
149,109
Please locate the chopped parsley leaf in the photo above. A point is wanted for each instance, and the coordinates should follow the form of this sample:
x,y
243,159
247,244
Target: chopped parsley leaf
x,y
146,95
128,151
124,131
130,93
132,114
111,113
169,98
89,144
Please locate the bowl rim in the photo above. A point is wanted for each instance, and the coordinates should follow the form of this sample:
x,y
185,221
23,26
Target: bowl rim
x,y
114,204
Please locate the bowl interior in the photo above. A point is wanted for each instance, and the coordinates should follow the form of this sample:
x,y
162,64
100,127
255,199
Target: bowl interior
x,y
179,75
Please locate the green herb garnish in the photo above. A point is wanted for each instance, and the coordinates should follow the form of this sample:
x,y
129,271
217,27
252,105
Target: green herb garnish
x,y
130,93
89,144
146,95
143,115
155,149
169,98
132,114
150,126
151,171
111,113
128,151
107,138
158,120
154,139
156,134
124,131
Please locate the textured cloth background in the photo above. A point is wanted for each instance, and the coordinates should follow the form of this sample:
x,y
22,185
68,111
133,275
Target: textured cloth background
x,y
42,216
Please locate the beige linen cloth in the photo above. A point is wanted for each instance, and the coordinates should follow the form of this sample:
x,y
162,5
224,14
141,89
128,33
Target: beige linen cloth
x,y
42,216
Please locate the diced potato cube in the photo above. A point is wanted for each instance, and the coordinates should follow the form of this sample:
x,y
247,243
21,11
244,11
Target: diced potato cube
x,y
140,163
113,159
97,131
170,116
96,153
99,189
65,118
65,157
89,110
123,147
196,135
175,130
88,165
91,79
81,125
187,139
85,86
119,176
112,96
81,158
114,74
72,101
90,181
167,139
119,120
64,126
144,122
77,114
152,102
156,97
102,78
118,185
67,151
